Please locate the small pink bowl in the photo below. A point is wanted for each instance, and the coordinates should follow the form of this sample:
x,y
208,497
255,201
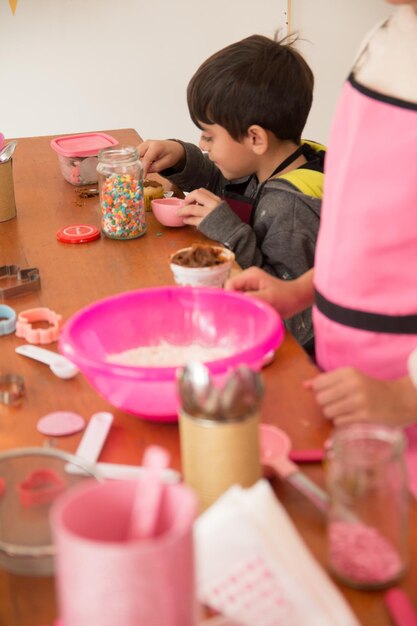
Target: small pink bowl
x,y
165,211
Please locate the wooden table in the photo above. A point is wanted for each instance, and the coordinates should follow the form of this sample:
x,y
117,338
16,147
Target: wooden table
x,y
72,276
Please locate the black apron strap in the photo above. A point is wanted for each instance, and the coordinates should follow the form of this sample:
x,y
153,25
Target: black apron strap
x,y
297,153
363,320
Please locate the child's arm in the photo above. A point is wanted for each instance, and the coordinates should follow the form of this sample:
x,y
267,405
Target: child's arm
x,y
183,164
281,239
347,395
288,297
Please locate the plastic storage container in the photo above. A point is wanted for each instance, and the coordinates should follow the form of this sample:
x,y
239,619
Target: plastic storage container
x,y
78,156
120,177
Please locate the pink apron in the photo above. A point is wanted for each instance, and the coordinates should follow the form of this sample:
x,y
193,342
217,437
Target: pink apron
x,y
366,258
365,276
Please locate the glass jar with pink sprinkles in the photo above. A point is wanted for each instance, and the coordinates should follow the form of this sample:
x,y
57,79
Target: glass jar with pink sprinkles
x,y
120,178
368,510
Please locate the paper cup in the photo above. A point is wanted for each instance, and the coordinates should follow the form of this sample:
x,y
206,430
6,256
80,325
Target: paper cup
x,y
213,276
217,454
104,578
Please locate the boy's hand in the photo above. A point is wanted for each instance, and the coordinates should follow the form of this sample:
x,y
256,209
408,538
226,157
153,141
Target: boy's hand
x,y
346,395
197,205
159,155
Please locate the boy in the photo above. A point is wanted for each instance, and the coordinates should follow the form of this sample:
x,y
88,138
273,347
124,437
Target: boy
x,y
258,188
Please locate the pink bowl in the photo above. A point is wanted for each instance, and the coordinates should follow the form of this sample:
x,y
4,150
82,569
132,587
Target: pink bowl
x,y
165,210
177,316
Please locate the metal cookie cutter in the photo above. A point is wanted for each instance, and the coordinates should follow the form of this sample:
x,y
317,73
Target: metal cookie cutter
x,y
12,389
7,320
38,335
24,280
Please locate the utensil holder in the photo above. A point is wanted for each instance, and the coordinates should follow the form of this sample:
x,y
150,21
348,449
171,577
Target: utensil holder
x,y
217,454
7,199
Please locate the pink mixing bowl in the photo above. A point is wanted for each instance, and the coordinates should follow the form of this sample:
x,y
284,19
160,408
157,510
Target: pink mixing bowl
x,y
174,315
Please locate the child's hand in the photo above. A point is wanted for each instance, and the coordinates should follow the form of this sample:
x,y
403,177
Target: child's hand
x,y
346,395
288,297
159,155
197,205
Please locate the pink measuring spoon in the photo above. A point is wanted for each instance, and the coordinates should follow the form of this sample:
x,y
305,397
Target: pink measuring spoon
x,y
275,449
149,493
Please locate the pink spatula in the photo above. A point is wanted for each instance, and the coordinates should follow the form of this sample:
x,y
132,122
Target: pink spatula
x,y
148,495
275,448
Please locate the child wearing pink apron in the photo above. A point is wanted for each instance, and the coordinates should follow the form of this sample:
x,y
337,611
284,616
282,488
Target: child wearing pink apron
x,y
365,273
365,278
366,259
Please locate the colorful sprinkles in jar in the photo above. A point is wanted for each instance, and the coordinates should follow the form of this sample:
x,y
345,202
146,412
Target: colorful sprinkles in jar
x,y
123,214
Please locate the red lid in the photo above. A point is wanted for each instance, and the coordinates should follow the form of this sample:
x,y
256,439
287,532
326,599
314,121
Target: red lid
x,y
78,233
87,144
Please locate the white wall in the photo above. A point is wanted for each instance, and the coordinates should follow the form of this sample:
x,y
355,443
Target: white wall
x,y
330,32
71,66
78,65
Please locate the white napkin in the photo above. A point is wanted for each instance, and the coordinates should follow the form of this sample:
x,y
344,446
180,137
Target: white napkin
x,y
253,566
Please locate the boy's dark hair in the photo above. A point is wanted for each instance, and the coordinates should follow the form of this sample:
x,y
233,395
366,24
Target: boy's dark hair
x,y
253,81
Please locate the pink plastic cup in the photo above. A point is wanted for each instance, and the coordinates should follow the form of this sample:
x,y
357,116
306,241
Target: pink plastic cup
x,y
105,578
165,211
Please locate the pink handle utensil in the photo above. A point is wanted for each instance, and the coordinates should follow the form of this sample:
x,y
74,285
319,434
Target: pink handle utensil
x,y
275,449
400,607
307,455
149,494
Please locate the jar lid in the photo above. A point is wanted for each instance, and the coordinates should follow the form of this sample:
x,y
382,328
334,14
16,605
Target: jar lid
x,y
78,233
86,144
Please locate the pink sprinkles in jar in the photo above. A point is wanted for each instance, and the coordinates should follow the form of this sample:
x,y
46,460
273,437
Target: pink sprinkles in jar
x,y
123,214
361,555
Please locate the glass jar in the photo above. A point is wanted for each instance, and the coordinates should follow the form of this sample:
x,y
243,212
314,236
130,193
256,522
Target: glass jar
x,y
368,510
120,177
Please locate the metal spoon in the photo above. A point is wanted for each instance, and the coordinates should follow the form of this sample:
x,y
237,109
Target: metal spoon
x,y
59,365
198,395
241,394
7,151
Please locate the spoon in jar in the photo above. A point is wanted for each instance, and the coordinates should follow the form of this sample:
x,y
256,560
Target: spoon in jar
x,y
199,397
241,394
58,364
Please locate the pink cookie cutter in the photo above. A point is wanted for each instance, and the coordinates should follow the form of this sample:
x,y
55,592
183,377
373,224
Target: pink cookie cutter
x,y
25,329
40,487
